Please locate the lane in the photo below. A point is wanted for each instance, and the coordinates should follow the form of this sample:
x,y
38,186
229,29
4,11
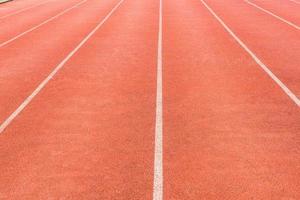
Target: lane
x,y
52,18
25,62
15,6
229,131
273,15
31,18
90,133
258,61
274,42
16,10
285,9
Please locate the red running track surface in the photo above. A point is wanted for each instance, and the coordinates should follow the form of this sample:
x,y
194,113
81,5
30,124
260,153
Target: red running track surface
x,y
18,6
229,131
285,9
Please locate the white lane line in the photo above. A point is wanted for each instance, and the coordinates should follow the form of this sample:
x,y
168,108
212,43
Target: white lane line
x,y
272,14
255,58
158,151
24,9
41,24
52,74
297,2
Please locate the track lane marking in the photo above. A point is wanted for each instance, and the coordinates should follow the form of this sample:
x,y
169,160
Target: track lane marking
x,y
158,151
24,9
8,120
272,14
41,24
292,96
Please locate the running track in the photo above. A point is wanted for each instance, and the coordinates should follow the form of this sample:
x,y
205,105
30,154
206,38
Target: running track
x,y
152,99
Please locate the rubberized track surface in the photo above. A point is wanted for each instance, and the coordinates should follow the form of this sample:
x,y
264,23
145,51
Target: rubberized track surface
x,y
152,99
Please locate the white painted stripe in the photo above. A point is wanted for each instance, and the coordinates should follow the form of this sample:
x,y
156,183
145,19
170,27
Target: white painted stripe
x,y
52,74
255,58
272,14
41,24
297,2
24,9
158,151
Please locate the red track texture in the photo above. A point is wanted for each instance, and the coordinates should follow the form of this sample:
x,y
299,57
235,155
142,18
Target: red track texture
x,y
229,131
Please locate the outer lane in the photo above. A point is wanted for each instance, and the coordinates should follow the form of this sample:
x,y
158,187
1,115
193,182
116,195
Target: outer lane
x,y
16,6
276,43
19,23
283,8
28,60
